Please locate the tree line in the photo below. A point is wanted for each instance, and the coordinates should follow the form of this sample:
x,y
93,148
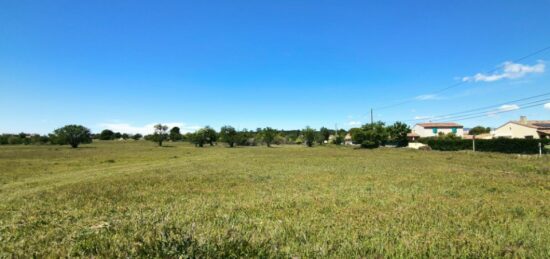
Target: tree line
x,y
368,136
233,137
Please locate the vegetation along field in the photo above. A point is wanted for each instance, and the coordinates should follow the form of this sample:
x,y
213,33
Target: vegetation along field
x,y
117,199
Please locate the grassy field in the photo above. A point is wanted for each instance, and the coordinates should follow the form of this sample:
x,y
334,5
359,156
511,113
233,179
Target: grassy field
x,y
135,199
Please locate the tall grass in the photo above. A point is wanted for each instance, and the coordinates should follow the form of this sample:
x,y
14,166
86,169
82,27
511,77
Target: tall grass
x,y
113,199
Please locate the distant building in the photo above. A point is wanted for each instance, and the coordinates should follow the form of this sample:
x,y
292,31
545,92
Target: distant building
x,y
527,129
347,140
431,129
412,136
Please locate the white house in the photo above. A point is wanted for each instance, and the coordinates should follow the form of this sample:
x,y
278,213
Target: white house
x,y
528,129
432,129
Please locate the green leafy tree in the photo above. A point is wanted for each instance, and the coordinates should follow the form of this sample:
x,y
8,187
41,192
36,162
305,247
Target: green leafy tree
x,y
478,130
319,138
137,136
338,139
73,135
106,135
325,133
398,133
309,136
117,135
268,135
229,135
125,136
371,135
161,134
199,138
175,134
211,135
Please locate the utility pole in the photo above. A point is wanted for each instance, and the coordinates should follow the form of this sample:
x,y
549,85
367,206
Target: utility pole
x,y
371,118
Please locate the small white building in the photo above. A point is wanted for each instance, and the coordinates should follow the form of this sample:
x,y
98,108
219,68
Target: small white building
x,y
348,140
432,129
527,129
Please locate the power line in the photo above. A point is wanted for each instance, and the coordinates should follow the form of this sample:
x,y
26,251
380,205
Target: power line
x,y
493,111
450,115
486,115
463,82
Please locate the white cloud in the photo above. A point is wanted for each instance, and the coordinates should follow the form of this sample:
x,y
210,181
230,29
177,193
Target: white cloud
x,y
510,70
508,107
426,97
547,106
354,123
146,129
503,108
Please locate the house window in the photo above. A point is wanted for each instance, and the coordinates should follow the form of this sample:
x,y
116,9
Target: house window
x,y
454,130
434,130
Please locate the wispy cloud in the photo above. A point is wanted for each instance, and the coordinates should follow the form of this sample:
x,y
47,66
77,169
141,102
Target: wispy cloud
x,y
426,97
503,108
509,70
508,107
145,129
547,106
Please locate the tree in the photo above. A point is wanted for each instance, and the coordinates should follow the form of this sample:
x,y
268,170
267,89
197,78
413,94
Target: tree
x,y
117,135
199,138
268,135
73,135
228,135
106,135
478,130
398,133
319,138
211,135
137,136
325,133
125,136
160,134
309,136
175,134
371,135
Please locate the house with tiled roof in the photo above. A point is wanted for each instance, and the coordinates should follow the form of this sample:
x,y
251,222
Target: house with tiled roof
x,y
434,129
524,128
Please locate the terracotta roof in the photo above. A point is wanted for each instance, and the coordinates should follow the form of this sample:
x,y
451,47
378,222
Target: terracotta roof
x,y
535,124
440,125
412,134
545,131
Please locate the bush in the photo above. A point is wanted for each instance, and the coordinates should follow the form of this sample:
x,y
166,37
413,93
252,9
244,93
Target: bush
x,y
369,144
425,148
501,145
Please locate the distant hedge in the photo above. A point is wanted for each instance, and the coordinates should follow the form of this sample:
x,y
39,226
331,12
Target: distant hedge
x,y
501,145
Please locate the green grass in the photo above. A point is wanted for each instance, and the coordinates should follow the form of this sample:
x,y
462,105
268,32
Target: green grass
x,y
113,199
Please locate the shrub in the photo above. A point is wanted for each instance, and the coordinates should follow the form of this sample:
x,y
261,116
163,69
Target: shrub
x,y
107,135
425,148
501,145
369,144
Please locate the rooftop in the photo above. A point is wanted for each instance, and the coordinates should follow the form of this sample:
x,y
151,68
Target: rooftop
x,y
440,125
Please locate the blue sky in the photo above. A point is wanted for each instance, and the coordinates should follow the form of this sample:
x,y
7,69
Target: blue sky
x,y
285,64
